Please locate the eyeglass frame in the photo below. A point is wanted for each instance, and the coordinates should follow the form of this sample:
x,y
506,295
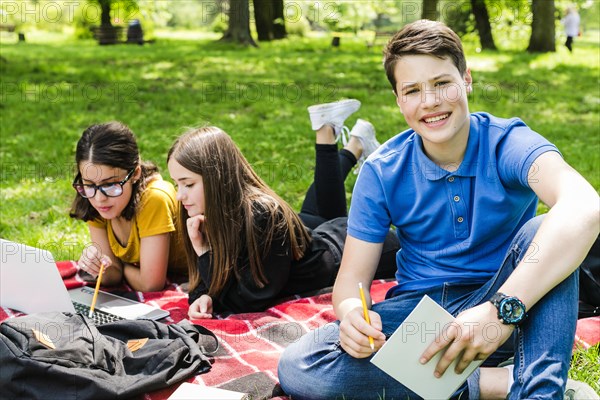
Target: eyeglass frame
x,y
77,182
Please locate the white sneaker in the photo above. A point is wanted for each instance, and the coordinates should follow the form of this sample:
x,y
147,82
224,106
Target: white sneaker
x,y
365,132
333,114
577,390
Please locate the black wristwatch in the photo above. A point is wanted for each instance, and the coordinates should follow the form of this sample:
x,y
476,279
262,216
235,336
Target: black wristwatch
x,y
511,310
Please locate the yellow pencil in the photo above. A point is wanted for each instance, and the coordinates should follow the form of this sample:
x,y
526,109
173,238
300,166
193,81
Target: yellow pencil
x,y
98,280
366,312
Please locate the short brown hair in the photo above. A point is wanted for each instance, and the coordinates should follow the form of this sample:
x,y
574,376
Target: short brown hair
x,y
427,38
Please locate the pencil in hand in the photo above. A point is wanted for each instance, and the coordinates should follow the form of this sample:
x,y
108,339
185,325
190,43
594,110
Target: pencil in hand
x,y
98,280
365,311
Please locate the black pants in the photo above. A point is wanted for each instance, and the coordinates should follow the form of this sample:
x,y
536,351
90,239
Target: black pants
x,y
326,197
324,209
569,43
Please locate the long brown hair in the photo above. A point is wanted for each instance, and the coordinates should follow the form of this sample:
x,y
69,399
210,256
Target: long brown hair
x,y
233,193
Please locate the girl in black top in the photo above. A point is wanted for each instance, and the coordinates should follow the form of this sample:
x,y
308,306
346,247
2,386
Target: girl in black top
x,y
246,247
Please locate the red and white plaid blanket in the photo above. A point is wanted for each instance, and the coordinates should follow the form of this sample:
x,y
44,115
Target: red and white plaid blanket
x,y
250,344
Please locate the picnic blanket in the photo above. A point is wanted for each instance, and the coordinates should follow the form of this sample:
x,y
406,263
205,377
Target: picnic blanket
x,y
250,344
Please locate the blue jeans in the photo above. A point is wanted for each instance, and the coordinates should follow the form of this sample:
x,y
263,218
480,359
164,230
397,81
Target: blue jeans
x,y
316,367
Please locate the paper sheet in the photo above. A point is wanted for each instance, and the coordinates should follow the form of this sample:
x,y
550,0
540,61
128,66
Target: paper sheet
x,y
399,356
188,391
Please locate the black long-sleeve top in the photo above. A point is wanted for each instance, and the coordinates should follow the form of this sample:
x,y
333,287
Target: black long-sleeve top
x,y
285,275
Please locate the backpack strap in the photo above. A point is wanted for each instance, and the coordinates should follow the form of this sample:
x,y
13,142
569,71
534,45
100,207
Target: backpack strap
x,y
198,331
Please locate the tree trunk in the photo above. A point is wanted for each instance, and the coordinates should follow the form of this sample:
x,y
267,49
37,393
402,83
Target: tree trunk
x,y
542,27
105,13
430,10
263,18
269,19
279,31
238,30
482,23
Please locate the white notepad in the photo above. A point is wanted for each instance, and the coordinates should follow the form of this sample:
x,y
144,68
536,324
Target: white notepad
x,y
190,391
399,356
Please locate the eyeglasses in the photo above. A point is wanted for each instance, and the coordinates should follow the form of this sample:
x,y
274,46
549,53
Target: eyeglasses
x,y
112,189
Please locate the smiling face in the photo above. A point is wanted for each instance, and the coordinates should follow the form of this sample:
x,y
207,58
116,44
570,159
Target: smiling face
x,y
432,95
190,188
99,174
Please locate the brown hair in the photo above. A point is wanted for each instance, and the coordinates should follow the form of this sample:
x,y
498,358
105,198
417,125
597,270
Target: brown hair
x,y
233,193
112,144
427,38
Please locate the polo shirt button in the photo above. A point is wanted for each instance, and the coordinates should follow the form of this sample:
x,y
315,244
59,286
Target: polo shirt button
x,y
460,219
451,179
456,198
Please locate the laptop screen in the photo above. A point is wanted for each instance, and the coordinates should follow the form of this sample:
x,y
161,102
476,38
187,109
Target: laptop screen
x,y
30,281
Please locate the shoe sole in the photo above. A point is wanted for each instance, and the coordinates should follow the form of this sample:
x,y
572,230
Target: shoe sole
x,y
355,105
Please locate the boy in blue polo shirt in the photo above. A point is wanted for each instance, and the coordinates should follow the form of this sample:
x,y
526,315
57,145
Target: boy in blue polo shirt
x,y
461,190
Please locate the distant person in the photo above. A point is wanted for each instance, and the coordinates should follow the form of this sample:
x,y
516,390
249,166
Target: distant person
x,y
246,247
130,210
571,23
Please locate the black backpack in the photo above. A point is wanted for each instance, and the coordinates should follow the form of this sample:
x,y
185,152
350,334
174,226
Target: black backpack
x,y
589,283
65,356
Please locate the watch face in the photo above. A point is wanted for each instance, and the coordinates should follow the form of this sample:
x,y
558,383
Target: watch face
x,y
512,310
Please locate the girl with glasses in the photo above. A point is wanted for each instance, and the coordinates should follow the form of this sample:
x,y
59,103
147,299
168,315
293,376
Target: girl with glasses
x,y
246,247
130,210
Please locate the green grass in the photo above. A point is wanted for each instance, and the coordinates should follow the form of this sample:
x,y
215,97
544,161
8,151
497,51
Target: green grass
x,y
585,366
51,90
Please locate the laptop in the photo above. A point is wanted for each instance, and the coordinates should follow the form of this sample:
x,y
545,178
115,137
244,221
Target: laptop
x,y
31,283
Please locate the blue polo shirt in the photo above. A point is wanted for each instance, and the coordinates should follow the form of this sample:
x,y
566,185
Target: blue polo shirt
x,y
452,226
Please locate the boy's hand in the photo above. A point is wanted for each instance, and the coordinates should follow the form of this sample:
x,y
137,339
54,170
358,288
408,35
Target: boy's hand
x,y
91,260
474,335
201,308
355,332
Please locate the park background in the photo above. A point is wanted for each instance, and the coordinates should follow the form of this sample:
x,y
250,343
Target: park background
x,y
252,68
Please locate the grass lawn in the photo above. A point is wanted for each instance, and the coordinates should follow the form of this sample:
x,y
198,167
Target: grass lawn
x,y
51,91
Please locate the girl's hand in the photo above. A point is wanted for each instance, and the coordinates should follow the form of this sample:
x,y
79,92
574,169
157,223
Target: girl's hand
x,y
92,259
201,308
355,332
195,228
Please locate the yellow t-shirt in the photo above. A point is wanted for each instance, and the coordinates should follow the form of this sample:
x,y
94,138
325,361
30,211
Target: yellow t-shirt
x,y
158,213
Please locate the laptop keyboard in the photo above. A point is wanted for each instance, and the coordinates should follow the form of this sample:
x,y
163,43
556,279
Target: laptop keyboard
x,y
99,317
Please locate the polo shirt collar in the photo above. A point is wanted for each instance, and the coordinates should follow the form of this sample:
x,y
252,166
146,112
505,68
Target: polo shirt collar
x,y
468,167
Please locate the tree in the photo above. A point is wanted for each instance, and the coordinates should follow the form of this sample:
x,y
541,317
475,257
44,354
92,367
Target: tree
x,y
263,18
106,7
269,19
105,12
107,33
279,31
430,10
238,29
482,24
542,27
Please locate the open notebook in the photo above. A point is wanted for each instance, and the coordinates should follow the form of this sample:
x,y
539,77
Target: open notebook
x,y
399,356
30,282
